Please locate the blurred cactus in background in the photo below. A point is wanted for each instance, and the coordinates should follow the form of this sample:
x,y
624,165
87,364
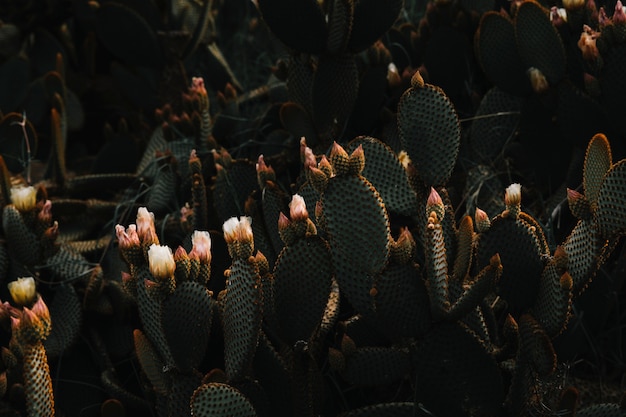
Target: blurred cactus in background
x,y
312,208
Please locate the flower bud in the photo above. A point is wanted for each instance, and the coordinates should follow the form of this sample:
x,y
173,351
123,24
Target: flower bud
x,y
263,172
578,204
145,227
45,215
309,158
357,160
619,16
197,85
40,309
434,205
297,208
339,159
127,238
481,219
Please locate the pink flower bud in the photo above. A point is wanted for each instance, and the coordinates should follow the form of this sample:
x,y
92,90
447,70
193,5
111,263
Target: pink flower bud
x,y
297,208
619,16
45,215
145,226
481,219
283,221
309,158
127,238
197,85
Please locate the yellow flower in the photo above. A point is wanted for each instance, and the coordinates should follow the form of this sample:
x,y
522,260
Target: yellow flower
x,y
161,261
23,291
24,198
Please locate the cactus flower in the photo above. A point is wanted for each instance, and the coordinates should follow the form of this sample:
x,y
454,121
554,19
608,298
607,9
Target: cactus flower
x,y
23,291
201,242
161,261
513,195
238,229
24,198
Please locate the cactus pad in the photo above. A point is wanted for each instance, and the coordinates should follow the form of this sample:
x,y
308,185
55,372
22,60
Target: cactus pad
x,y
66,314
335,87
241,318
37,382
302,284
372,18
538,41
521,253
582,246
497,52
598,160
359,234
150,362
402,302
611,213
216,399
24,244
490,131
429,132
186,320
553,304
384,170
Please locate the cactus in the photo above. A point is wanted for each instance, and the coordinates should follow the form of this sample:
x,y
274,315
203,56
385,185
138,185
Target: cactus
x,y
323,228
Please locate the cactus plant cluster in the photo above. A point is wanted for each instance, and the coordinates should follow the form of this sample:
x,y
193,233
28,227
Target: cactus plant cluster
x,y
354,237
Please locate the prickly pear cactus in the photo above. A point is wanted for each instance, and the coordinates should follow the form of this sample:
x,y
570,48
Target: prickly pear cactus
x,y
360,248
429,131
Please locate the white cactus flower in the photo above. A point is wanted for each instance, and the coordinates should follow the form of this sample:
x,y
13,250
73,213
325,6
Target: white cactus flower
x,y
161,261
24,198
